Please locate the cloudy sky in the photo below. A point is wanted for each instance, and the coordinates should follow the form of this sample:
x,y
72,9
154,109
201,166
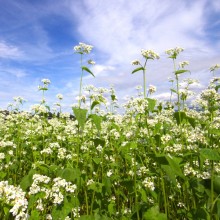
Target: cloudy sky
x,y
37,39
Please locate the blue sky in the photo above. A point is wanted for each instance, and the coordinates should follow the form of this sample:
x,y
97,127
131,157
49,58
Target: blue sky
x,y
37,39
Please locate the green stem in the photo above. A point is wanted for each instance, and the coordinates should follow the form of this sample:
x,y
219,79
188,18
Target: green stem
x,y
80,86
144,81
164,194
87,205
135,188
144,78
93,197
212,188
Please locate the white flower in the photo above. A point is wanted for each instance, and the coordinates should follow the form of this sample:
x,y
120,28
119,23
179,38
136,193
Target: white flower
x,y
152,89
173,52
89,182
183,64
2,156
45,81
83,48
91,62
59,96
109,173
149,54
135,62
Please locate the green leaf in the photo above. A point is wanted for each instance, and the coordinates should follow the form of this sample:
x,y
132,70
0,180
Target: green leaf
x,y
80,115
217,87
94,103
57,213
113,97
154,214
35,215
6,210
137,69
210,154
97,160
174,164
2,175
181,71
151,104
144,196
218,207
87,217
170,173
87,70
111,208
27,180
216,183
97,187
98,142
97,120
215,131
192,121
70,174
173,90
180,117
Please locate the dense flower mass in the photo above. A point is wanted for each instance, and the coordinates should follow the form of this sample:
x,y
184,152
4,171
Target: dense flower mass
x,y
155,160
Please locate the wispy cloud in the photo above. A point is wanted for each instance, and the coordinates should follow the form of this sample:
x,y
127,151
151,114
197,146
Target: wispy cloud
x,y
8,51
36,41
121,29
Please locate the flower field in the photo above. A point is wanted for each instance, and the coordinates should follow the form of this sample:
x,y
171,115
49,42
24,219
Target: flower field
x,y
155,161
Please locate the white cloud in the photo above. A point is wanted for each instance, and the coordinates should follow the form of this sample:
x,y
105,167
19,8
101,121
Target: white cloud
x,y
120,29
10,52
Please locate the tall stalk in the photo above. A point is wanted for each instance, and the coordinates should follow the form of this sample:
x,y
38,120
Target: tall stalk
x,y
147,54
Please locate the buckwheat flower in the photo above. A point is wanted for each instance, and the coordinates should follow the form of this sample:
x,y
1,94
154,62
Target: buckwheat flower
x,y
148,183
61,153
59,96
58,198
49,217
181,205
149,54
10,152
109,173
40,205
71,187
45,81
135,62
47,151
127,211
83,48
82,98
89,182
131,173
183,64
152,89
174,52
99,148
19,99
215,67
91,62
2,156
76,212
42,109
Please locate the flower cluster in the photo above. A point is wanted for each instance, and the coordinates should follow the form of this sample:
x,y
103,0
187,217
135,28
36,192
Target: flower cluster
x,y
54,190
83,48
15,197
149,54
174,52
